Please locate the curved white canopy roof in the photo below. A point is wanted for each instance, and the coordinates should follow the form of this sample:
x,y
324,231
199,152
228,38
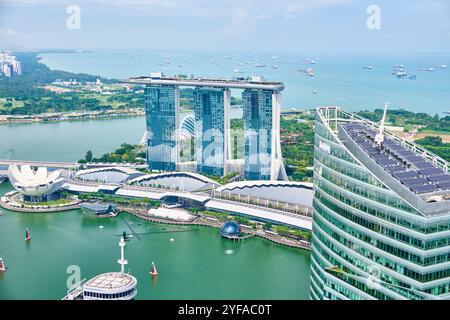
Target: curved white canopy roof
x,y
265,183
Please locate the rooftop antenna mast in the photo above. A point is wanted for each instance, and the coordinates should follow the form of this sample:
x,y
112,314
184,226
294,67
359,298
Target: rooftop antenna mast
x,y
379,137
122,261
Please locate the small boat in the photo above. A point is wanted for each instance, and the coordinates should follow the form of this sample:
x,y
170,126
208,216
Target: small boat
x,y
154,272
401,74
260,65
442,66
2,265
368,67
427,69
309,72
27,234
274,67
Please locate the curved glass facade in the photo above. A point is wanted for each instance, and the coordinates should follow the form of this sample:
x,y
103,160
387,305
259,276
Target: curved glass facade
x,y
368,242
209,110
161,110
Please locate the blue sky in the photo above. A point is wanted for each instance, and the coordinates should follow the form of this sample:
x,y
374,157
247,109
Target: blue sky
x,y
291,25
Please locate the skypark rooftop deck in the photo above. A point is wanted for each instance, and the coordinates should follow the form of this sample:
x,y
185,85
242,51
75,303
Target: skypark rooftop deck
x,y
417,173
238,83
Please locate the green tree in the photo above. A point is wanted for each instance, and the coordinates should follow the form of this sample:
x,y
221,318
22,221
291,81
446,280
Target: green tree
x,y
88,157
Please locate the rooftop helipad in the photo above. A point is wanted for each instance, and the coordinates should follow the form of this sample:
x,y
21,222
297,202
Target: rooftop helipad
x,y
111,280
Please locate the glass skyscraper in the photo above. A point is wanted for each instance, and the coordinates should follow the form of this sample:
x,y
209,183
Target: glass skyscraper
x,y
210,130
212,99
161,111
381,221
258,133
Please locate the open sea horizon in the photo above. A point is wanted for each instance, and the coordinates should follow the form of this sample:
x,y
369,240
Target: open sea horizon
x,y
339,79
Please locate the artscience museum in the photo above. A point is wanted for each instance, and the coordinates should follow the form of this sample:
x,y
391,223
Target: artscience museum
x,y
35,185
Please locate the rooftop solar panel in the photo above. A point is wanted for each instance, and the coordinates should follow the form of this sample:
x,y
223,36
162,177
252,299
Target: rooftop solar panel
x,y
381,156
444,185
405,153
433,171
372,151
395,147
351,127
406,174
413,159
386,162
440,178
424,165
422,175
415,182
423,189
366,144
395,168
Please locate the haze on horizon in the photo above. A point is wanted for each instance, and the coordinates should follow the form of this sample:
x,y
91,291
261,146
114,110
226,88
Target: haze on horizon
x,y
265,25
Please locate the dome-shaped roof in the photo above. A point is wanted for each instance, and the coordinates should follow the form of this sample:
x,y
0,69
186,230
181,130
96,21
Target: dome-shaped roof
x,y
231,228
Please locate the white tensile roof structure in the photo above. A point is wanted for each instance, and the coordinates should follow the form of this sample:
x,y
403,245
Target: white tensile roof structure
x,y
34,183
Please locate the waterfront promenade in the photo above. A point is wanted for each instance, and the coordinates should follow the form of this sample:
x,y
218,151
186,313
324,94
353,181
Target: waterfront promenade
x,y
202,220
4,163
264,213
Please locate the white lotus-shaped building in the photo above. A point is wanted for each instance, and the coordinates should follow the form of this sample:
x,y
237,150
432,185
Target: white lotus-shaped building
x,y
34,183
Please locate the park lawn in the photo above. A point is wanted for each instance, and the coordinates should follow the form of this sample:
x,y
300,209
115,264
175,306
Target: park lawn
x,y
15,104
425,133
50,203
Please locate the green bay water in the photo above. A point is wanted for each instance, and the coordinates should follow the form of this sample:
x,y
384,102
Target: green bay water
x,y
198,264
68,140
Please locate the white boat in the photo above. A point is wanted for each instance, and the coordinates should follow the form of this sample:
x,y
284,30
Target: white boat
x,y
2,265
260,65
154,272
368,67
274,67
427,69
442,66
310,72
27,234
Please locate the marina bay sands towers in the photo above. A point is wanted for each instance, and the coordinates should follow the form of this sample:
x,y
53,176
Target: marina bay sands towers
x,y
261,104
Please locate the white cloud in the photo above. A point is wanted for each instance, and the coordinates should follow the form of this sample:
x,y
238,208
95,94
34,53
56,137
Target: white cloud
x,y
262,16
7,32
239,23
302,6
289,16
